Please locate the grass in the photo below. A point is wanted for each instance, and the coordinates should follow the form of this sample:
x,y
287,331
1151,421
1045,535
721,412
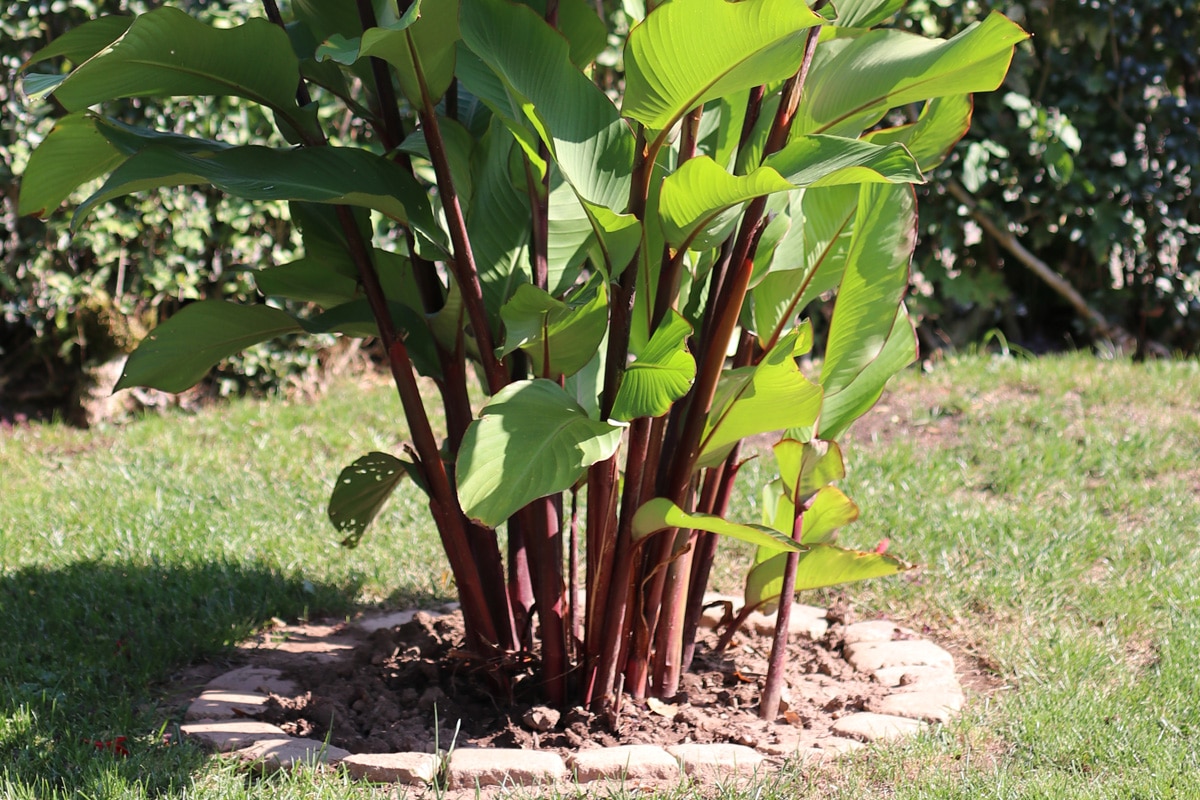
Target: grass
x,y
1054,505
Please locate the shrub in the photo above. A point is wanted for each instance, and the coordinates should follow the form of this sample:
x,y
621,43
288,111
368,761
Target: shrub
x,y
595,265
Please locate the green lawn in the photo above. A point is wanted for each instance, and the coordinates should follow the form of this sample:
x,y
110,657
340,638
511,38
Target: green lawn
x,y
1054,505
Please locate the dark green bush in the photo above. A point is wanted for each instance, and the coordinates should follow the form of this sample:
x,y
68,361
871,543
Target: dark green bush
x,y
68,303
1089,154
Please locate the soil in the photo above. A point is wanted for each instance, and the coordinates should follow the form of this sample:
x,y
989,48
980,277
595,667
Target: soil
x,y
412,688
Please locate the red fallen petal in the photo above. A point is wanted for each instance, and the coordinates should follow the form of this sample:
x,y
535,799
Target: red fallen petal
x,y
882,547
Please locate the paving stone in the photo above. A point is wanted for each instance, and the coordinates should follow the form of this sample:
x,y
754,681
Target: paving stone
x,y
634,762
716,760
219,704
254,679
471,767
808,621
871,656
917,676
931,706
839,745
410,768
874,630
230,734
869,727
370,624
286,752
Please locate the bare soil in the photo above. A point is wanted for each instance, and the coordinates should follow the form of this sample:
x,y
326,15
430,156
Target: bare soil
x,y
412,688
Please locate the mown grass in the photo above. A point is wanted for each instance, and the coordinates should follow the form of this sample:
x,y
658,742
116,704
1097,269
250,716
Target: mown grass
x,y
1054,505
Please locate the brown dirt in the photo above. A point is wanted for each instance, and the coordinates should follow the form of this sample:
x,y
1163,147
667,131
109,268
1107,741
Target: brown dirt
x,y
382,691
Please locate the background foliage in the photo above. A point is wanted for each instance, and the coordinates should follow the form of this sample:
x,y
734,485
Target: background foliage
x,y
68,303
1089,153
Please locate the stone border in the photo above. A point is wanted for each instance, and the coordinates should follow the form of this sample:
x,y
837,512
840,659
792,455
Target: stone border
x,y
925,690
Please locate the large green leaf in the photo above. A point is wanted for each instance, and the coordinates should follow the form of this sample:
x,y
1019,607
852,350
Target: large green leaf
x,y
820,565
361,491
73,153
661,514
805,467
560,338
770,396
530,440
700,190
687,52
422,39
307,280
81,43
943,121
661,373
320,175
864,13
847,404
168,53
592,146
819,160
179,352
582,27
855,81
808,262
498,220
874,282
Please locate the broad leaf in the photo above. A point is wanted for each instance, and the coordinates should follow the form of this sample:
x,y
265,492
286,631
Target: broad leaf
x,y
412,43
854,82
771,396
167,53
829,510
820,565
582,27
864,13
361,491
687,52
842,407
943,121
316,175
72,154
662,373
307,280
805,467
578,123
819,160
497,221
700,190
531,440
81,43
179,352
661,514
560,338
873,284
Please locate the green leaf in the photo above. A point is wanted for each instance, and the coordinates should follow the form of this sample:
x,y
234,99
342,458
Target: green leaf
x,y
805,467
687,52
531,440
770,396
819,160
942,123
423,41
855,81
662,373
842,407
820,566
700,190
579,124
179,352
582,27
319,175
73,153
559,337
865,13
166,53
81,43
873,285
618,237
498,220
307,280
661,514
458,144
361,491
830,510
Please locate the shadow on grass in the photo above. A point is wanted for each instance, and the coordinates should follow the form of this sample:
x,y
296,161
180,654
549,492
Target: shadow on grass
x,y
86,648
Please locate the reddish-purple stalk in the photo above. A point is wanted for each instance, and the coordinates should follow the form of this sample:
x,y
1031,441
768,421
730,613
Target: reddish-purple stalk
x,y
768,707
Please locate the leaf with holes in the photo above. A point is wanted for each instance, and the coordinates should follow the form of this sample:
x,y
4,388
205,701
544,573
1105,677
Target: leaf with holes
x,y
361,490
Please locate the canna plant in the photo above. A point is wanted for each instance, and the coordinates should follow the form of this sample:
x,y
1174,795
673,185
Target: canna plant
x,y
616,242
